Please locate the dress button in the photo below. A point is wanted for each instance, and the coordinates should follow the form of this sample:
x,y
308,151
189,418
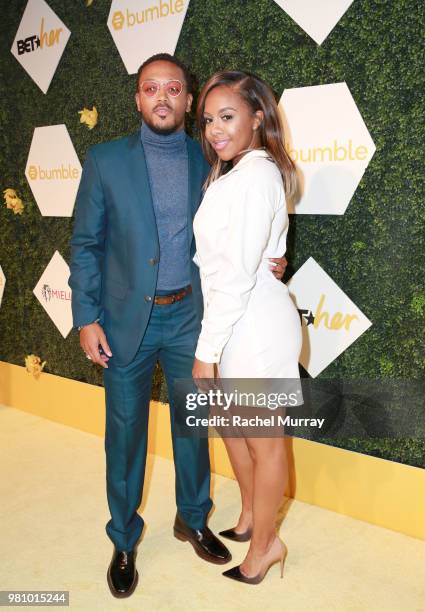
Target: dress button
x,y
152,261
148,298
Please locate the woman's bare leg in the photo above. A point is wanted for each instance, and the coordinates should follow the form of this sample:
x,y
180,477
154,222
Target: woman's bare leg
x,y
270,479
243,468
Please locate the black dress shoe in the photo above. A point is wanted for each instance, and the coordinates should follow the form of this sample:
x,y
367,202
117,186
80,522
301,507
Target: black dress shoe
x,y
204,542
231,534
122,575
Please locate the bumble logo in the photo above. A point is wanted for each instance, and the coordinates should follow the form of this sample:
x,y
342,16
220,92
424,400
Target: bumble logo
x,y
39,42
162,9
329,143
32,173
330,320
53,171
117,20
141,28
53,174
335,152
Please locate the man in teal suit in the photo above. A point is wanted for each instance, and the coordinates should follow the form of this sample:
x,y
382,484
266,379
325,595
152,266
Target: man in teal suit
x,y
136,299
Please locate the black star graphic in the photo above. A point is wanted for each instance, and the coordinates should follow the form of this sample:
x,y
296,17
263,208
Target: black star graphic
x,y
310,318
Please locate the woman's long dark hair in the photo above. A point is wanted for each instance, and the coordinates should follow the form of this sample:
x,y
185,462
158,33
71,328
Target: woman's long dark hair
x,y
258,96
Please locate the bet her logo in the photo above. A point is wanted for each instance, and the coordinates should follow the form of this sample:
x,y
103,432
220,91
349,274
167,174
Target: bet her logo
x,y
334,322
43,40
163,8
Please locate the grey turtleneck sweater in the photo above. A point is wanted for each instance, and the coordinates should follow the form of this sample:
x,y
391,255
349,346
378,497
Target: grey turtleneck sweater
x,y
167,162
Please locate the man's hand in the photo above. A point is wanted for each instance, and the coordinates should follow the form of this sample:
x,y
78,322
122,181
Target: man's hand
x,y
280,267
91,336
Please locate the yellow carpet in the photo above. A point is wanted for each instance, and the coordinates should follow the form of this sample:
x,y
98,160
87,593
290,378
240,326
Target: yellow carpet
x,y
53,511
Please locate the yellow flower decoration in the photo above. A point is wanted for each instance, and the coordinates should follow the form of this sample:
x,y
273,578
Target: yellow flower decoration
x,y
13,202
33,365
89,117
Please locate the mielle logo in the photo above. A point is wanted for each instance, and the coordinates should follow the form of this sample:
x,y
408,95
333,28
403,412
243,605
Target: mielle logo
x,y
44,39
336,152
59,294
53,174
333,322
163,8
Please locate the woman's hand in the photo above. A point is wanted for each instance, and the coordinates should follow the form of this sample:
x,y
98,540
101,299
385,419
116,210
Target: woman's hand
x,y
203,374
280,267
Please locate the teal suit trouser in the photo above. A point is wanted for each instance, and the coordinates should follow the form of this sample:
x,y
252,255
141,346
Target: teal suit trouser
x,y
171,338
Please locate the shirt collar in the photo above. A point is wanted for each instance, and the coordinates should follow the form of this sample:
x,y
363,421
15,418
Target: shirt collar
x,y
148,136
248,156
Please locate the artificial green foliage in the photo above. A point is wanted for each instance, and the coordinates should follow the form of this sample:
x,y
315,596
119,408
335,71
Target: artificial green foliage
x,y
374,252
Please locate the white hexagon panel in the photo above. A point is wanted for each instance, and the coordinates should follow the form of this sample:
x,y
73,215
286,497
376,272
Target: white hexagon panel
x,y
330,321
54,294
53,171
329,143
141,28
316,17
2,284
40,42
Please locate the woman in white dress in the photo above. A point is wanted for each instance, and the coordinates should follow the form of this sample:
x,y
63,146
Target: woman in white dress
x,y
251,328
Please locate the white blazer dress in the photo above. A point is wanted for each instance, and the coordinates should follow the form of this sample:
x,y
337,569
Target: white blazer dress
x,y
250,327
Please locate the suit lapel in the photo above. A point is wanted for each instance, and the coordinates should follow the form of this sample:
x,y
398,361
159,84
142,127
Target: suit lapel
x,y
139,180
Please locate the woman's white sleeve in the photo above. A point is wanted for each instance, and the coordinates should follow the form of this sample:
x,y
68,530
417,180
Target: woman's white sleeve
x,y
250,219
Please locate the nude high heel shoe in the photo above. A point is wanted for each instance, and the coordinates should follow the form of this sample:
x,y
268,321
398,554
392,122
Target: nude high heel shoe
x,y
235,573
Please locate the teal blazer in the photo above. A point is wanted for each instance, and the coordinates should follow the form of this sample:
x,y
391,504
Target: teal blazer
x,y
115,246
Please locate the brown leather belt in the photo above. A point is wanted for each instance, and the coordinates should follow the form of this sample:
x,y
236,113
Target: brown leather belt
x,y
172,297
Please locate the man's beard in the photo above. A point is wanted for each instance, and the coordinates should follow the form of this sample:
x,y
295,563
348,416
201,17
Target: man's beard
x,y
162,131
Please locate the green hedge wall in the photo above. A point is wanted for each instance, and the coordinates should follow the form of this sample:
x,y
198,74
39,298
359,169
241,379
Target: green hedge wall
x,y
374,252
